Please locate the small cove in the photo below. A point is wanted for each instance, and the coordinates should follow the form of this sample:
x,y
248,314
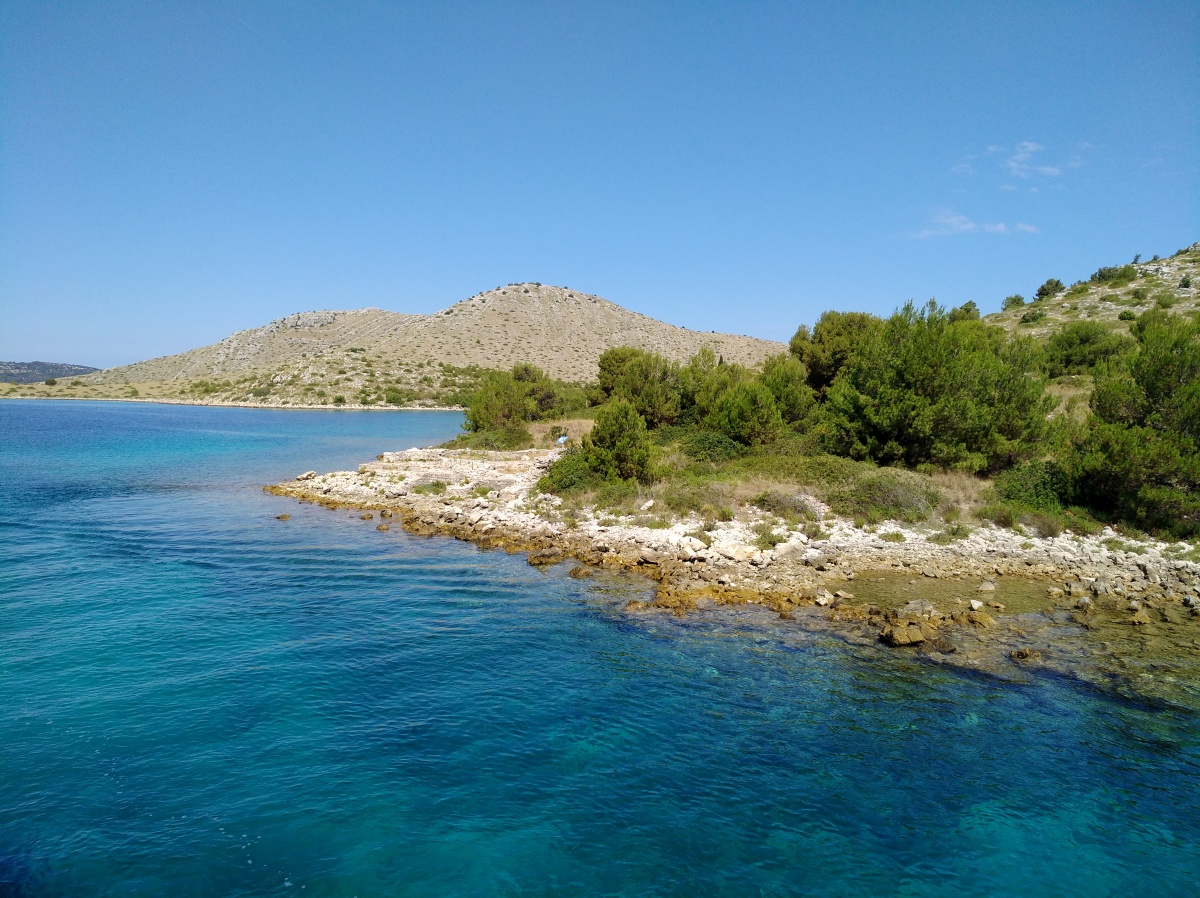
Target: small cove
x,y
202,700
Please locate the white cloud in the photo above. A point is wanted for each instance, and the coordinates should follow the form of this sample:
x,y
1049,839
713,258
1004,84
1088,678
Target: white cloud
x,y
946,223
1026,228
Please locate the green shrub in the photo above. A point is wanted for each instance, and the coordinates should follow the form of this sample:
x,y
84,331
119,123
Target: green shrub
x,y
506,399
765,536
1033,316
831,344
952,533
708,445
787,380
1127,315
1164,301
998,514
339,400
1077,347
433,488
968,311
51,382
619,445
1037,485
1139,458
570,472
1077,290
892,536
1012,302
746,413
1185,282
1052,287
1115,276
925,390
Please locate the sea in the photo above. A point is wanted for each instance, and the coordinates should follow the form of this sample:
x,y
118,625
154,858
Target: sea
x,y
200,699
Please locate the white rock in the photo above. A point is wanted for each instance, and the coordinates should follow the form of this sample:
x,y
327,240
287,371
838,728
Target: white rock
x,y
976,605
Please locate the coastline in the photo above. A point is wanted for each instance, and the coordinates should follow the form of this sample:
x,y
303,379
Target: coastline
x,y
996,602
347,406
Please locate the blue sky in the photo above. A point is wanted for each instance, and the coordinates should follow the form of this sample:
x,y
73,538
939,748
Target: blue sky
x,y
172,172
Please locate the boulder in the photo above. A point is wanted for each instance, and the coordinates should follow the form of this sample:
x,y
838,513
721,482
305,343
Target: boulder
x,y
900,634
283,517
307,475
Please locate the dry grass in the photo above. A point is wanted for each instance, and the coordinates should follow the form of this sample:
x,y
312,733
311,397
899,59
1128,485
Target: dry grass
x,y
959,490
575,428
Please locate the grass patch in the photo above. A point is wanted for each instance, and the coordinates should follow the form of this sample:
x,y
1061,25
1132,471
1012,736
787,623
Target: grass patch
x,y
433,488
892,536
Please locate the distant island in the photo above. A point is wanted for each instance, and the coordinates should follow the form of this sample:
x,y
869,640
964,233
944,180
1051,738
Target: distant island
x,y
40,372
371,358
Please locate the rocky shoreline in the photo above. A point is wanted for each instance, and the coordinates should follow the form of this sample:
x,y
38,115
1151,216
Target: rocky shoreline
x,y
996,602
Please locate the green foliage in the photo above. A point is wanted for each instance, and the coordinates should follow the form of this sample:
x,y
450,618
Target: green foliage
x,y
1127,315
618,446
766,538
832,344
1139,459
506,400
968,311
708,445
1036,485
1079,346
1052,287
396,396
1012,302
747,413
924,390
51,382
787,380
1185,282
339,400
1033,316
433,488
1115,276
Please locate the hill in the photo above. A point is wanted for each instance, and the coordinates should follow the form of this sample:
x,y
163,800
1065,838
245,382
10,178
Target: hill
x,y
1172,283
37,372
372,356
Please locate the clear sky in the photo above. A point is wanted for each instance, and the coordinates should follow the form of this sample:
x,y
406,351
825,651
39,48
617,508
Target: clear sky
x,y
171,172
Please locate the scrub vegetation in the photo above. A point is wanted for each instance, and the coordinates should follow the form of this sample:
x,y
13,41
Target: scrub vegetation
x,y
1091,422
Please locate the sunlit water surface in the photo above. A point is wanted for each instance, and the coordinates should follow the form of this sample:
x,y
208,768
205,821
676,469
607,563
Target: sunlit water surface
x,y
199,699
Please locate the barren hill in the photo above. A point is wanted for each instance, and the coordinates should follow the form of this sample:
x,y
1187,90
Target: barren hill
x,y
316,357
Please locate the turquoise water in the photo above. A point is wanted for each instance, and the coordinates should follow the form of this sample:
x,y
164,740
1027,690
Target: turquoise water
x,y
198,699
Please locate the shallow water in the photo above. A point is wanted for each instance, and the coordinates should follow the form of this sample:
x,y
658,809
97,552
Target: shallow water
x,y
198,699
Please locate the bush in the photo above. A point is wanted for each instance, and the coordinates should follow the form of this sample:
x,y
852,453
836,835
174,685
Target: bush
x,y
51,382
1033,316
647,380
831,344
968,311
1115,276
508,399
708,445
1139,458
339,400
787,380
1037,485
1012,302
1052,287
1185,282
1079,346
1127,315
746,413
924,390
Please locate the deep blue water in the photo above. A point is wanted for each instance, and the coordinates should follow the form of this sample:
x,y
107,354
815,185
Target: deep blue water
x,y
198,699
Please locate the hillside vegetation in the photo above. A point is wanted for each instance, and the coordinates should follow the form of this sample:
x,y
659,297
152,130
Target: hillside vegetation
x,y
925,415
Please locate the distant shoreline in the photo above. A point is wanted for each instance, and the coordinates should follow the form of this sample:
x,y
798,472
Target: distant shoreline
x,y
347,406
